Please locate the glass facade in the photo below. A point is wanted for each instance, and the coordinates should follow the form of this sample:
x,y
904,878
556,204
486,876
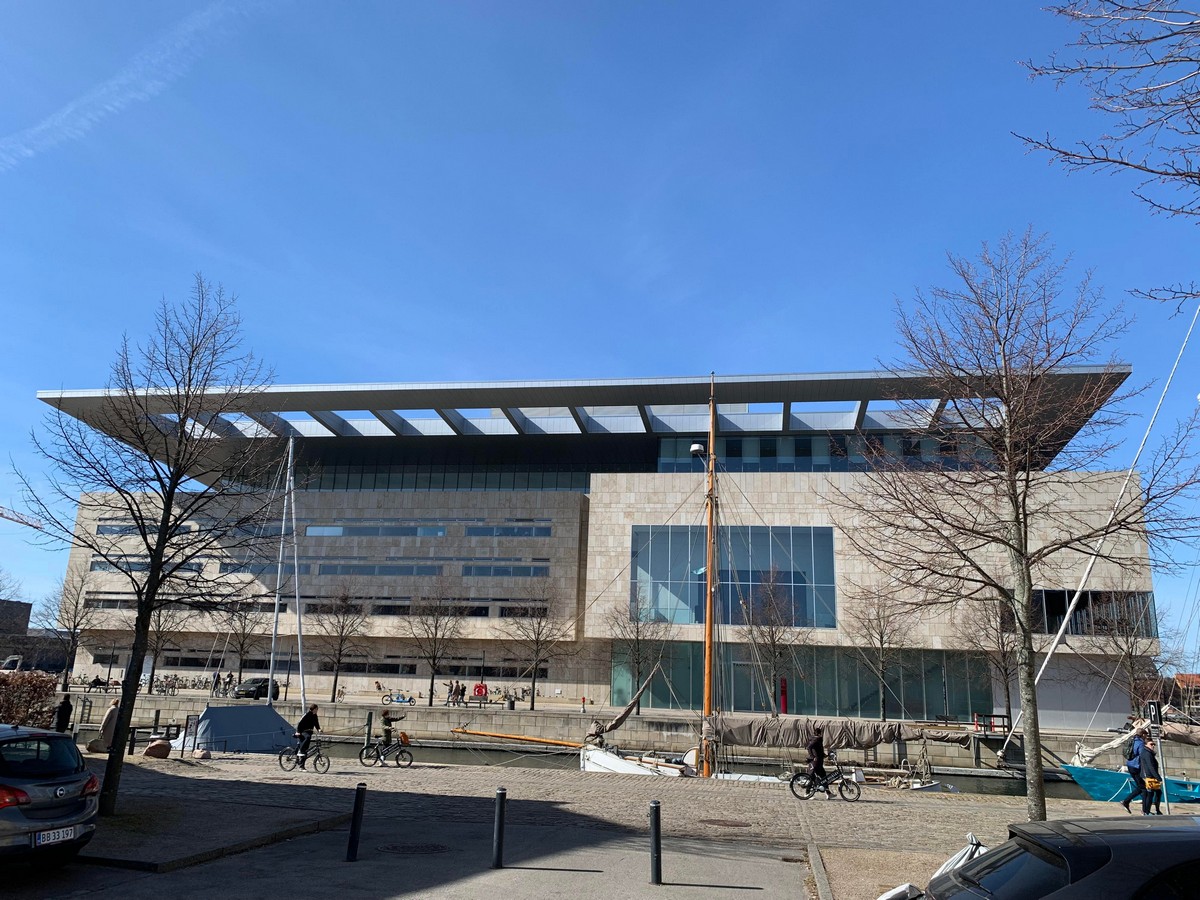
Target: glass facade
x,y
824,452
1098,613
821,681
667,563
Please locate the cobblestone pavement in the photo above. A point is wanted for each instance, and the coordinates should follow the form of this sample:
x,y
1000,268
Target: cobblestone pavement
x,y
763,812
716,834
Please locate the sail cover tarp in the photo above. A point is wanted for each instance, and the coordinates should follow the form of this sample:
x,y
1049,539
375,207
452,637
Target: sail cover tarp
x,y
239,729
765,731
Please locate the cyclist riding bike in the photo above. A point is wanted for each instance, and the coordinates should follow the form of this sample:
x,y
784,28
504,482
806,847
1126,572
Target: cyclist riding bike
x,y
304,731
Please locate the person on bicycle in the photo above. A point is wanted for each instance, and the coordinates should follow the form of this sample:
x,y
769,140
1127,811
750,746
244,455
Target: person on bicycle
x,y
816,759
304,731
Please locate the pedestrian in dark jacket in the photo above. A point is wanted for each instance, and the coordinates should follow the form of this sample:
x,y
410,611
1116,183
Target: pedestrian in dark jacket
x,y
816,759
1134,766
62,715
304,730
1152,796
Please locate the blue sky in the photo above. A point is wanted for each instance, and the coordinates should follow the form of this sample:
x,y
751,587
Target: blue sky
x,y
450,191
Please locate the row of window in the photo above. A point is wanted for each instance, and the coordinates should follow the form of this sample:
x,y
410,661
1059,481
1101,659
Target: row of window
x,y
823,452
445,478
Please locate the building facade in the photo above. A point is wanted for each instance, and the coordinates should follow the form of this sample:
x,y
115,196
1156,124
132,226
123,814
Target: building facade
x,y
583,503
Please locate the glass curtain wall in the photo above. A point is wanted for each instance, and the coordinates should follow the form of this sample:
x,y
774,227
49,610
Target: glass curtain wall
x,y
821,681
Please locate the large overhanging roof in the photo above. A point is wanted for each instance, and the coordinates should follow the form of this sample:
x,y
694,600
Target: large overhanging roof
x,y
752,404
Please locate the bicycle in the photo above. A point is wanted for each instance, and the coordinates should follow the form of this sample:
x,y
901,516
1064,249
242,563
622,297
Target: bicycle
x,y
804,785
377,751
399,696
316,756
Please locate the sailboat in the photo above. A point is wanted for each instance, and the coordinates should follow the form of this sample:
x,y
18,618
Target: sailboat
x,y
1108,785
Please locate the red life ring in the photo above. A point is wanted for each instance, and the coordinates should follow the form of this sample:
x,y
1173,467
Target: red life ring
x,y
480,690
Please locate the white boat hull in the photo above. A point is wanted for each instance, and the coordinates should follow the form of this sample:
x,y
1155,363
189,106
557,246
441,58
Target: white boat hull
x,y
601,759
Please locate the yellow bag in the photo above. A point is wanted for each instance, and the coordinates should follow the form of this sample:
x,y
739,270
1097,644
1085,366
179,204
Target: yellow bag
x,y
1154,784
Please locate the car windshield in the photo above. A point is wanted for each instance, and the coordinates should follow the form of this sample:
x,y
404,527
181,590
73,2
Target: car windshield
x,y
39,757
1017,869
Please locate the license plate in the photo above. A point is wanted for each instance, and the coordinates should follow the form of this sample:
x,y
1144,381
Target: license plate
x,y
57,836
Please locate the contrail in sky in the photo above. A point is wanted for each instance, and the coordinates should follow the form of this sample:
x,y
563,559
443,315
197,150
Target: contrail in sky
x,y
149,73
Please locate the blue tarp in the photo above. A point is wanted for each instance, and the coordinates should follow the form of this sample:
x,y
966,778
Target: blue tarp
x,y
239,729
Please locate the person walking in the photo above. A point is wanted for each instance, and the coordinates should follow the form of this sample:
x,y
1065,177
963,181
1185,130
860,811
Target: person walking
x,y
304,731
108,726
449,686
1151,779
816,760
62,715
1134,765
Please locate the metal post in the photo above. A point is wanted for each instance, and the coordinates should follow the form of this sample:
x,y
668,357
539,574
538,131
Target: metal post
x,y
498,832
360,799
157,715
367,736
132,740
655,843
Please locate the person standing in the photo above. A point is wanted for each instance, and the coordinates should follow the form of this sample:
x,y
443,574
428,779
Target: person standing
x,y
1151,779
816,759
108,726
304,731
62,715
1134,765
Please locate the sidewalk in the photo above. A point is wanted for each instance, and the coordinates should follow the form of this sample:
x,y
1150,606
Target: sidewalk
x,y
428,832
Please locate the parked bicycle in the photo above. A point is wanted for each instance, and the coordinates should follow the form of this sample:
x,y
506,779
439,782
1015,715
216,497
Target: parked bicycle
x,y
804,785
316,756
378,751
399,696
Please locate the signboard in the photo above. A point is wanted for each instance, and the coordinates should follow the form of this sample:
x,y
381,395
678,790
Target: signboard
x,y
1153,712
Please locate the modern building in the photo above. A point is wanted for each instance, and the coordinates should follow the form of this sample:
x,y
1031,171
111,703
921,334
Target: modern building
x,y
585,499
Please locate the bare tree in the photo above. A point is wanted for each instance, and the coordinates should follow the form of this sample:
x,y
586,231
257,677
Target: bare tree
x,y
538,636
339,625
247,627
986,628
641,636
1011,498
879,629
771,633
1122,624
161,476
168,624
10,587
1138,62
434,625
66,614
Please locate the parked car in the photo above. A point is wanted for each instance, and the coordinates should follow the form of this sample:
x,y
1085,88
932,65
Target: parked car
x,y
48,798
1152,857
256,689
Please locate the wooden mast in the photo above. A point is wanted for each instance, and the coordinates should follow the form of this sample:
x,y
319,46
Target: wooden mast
x,y
710,581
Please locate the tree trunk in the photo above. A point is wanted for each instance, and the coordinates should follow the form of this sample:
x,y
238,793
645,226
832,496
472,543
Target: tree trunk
x,y
129,686
333,690
882,695
533,690
432,683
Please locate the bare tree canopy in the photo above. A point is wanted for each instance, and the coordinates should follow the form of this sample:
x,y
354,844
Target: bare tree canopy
x,y
434,626
168,624
1138,61
641,636
986,628
1013,500
771,634
161,485
65,613
880,627
338,626
247,627
539,637
10,587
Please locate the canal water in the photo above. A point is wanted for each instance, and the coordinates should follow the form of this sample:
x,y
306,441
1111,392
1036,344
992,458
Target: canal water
x,y
537,758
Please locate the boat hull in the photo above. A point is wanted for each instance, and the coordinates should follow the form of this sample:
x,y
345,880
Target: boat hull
x,y
1108,786
600,759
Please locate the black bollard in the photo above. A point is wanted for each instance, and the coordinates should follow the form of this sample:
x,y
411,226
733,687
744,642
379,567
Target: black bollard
x,y
157,714
498,833
655,843
132,740
360,800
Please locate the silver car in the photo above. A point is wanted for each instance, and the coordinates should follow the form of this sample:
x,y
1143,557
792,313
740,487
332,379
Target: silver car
x,y
48,799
